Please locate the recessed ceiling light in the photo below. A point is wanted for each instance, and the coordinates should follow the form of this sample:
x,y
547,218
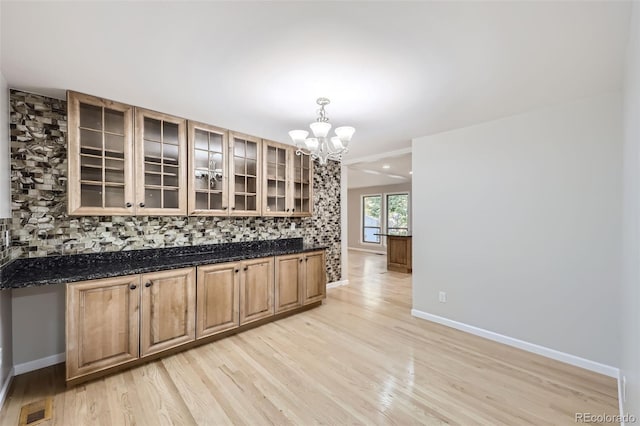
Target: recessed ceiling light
x,y
386,166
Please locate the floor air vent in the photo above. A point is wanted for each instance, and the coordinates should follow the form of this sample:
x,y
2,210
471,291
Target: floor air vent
x,y
35,413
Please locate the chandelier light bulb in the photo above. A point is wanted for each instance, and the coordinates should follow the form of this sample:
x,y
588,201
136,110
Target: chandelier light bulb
x,y
320,129
321,147
298,136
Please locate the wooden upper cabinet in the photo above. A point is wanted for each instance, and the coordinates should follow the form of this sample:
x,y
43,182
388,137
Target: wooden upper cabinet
x,y
256,290
102,324
161,163
276,167
218,306
287,180
245,174
302,182
315,277
100,156
167,310
208,170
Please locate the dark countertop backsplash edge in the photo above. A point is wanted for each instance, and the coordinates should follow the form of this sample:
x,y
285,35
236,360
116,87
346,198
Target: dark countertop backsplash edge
x,y
53,270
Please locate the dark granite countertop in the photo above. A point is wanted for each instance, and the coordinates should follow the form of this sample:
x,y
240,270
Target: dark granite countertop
x,y
64,269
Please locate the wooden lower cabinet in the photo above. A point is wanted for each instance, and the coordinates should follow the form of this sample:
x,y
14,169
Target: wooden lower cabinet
x,y
218,304
102,324
256,290
288,282
167,310
315,278
116,321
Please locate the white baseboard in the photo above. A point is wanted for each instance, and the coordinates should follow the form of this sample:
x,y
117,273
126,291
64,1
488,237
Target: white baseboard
x,y
38,364
367,250
620,401
337,284
5,387
597,367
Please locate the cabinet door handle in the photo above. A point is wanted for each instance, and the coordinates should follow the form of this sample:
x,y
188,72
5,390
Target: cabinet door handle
x,y
141,204
246,268
233,208
301,259
133,286
149,284
306,259
288,210
293,210
128,205
224,207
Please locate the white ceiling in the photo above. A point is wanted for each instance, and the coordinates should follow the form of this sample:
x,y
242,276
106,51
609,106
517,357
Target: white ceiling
x,y
374,173
393,70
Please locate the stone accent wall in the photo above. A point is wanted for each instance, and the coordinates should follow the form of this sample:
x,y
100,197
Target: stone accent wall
x,y
5,252
41,226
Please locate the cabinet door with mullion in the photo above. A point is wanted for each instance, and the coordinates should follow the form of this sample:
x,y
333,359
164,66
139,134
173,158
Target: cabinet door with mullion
x,y
100,156
276,193
302,182
161,163
245,166
208,170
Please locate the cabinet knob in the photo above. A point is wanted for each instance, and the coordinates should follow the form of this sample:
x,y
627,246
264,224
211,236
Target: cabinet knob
x,y
233,208
149,284
224,207
141,204
293,210
246,268
128,205
133,286
306,259
288,210
237,270
301,259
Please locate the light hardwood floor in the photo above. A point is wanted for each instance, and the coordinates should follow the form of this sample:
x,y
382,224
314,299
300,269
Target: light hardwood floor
x,y
358,359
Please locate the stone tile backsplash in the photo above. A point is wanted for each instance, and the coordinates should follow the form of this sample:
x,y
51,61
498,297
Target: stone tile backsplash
x,y
5,253
41,227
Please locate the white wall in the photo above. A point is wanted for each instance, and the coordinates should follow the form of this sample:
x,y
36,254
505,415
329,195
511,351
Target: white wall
x,y
5,171
630,301
38,323
519,221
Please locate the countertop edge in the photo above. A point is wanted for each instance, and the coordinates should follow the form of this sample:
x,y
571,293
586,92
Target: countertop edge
x,y
8,282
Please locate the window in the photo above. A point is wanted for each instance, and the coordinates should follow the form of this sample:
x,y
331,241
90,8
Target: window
x,y
398,214
371,218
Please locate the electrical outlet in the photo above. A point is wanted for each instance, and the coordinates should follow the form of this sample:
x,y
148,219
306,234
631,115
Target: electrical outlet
x,y
624,388
442,297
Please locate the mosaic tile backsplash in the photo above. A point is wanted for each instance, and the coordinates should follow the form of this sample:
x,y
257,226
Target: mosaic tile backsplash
x,y
41,226
5,253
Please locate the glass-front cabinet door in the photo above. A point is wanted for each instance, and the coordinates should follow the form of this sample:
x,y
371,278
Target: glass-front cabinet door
x,y
161,154
245,171
100,156
208,178
302,185
277,188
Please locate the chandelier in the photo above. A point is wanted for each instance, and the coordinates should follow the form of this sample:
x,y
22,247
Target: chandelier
x,y
321,146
